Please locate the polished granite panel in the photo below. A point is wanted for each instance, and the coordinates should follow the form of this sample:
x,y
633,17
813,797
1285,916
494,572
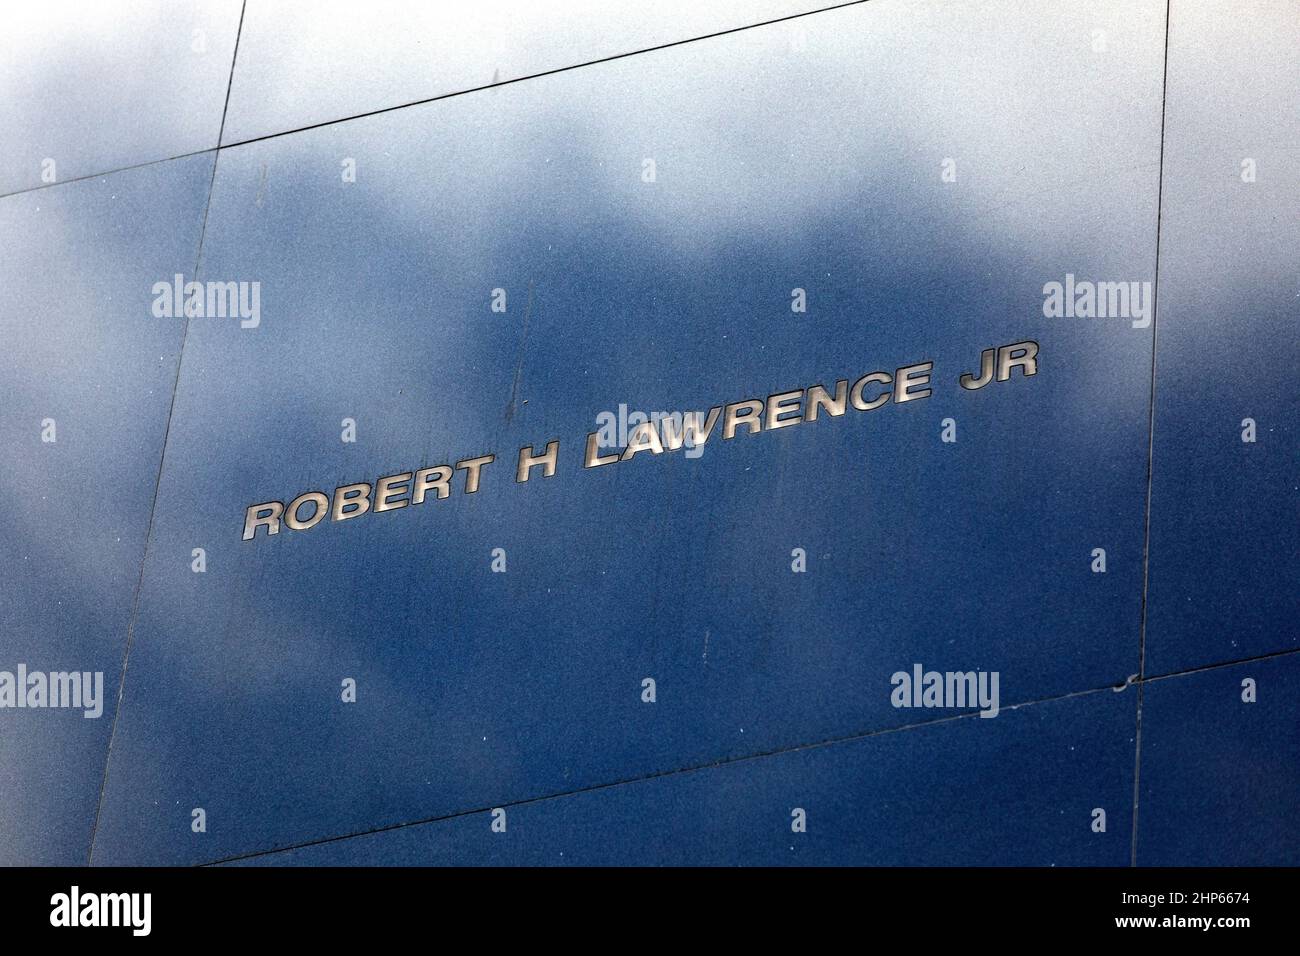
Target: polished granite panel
x,y
1225,539
1219,773
88,374
88,88
304,62
377,245
948,794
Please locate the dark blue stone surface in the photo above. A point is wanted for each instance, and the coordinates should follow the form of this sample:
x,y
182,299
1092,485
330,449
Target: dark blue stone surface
x,y
947,794
478,688
89,88
918,173
1225,542
1218,774
81,350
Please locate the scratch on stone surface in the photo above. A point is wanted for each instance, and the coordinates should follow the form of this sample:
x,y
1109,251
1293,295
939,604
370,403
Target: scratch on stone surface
x,y
519,362
706,648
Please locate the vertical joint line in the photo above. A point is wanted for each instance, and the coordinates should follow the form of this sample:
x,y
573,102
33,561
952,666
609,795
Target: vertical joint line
x,y
1151,433
162,458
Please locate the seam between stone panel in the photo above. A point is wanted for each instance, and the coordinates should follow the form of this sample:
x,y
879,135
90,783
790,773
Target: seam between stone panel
x,y
1151,435
431,99
710,765
162,458
107,172
658,774
552,72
